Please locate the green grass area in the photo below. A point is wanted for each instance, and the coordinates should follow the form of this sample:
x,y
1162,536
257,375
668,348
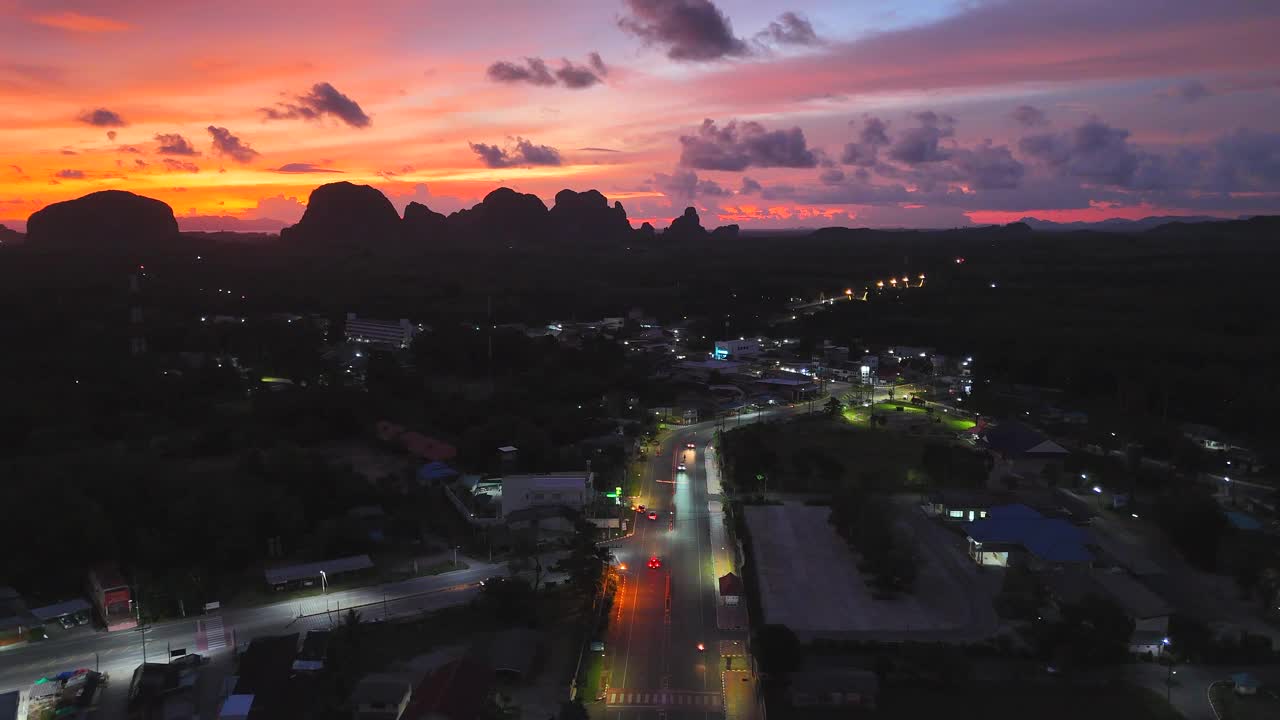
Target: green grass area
x,y
1263,706
892,406
817,454
592,678
1042,702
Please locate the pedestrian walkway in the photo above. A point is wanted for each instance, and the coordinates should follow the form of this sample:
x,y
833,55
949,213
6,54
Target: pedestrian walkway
x,y
686,699
211,636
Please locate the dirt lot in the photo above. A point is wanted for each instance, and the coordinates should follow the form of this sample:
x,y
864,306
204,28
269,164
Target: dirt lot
x,y
809,581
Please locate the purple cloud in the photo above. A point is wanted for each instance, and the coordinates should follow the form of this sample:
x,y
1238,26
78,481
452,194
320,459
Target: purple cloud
x,y
524,153
739,146
228,145
689,30
684,185
70,174
534,72
1029,116
323,100
302,167
180,166
101,117
175,144
789,29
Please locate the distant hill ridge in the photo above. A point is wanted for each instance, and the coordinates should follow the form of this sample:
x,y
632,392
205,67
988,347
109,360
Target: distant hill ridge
x,y
344,214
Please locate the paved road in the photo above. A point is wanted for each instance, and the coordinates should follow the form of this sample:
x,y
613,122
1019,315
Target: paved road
x,y
660,616
120,652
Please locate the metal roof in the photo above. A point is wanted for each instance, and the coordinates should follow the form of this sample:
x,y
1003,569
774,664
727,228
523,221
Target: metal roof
x,y
1050,539
57,610
311,571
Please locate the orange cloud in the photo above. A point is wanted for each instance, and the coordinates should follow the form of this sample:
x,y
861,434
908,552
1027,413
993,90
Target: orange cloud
x,y
77,22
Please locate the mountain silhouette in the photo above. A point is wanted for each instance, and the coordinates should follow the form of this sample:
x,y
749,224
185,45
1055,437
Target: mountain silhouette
x,y
588,215
685,227
108,217
9,235
343,213
423,223
725,232
504,217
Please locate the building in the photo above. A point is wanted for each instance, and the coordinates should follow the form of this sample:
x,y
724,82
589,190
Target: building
x,y
112,598
1022,455
1149,612
730,588
966,505
316,573
736,349
15,620
565,489
397,334
1017,530
456,691
833,687
380,697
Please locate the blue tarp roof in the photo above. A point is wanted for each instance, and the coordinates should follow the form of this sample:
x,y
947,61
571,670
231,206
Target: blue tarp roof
x,y
1050,539
436,471
50,612
1243,521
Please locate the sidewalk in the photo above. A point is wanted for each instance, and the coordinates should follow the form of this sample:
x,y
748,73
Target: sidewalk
x,y
738,683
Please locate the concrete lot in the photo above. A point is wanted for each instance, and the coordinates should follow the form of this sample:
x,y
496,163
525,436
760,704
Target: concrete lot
x,y
809,581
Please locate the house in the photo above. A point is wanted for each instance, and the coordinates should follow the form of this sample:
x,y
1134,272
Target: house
x,y
966,505
236,707
9,703
571,489
735,349
730,588
1022,454
512,653
1149,612
308,574
264,672
833,687
380,697
15,620
455,691
112,598
1245,683
435,473
1018,530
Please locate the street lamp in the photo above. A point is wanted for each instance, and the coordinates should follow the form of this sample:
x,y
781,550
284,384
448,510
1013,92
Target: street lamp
x,y
324,583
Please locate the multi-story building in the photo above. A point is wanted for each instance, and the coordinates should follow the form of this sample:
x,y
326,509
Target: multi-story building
x,y
563,489
396,333
112,598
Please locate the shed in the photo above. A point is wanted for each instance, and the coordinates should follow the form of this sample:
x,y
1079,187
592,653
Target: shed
x,y
311,571
730,588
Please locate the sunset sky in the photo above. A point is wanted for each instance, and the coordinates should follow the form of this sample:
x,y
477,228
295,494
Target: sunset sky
x,y
925,113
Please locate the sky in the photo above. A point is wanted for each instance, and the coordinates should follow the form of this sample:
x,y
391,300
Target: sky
x,y
794,113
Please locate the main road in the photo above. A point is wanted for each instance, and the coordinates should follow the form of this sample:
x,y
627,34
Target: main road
x,y
118,653
663,644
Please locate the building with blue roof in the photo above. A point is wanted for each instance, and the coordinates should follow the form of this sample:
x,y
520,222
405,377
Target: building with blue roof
x,y
435,473
1012,529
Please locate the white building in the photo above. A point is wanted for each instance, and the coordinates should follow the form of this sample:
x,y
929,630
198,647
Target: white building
x,y
563,489
389,332
735,349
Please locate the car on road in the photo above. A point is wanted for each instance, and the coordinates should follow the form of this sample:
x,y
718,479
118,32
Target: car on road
x,y
653,515
640,508
492,580
655,562
67,622
681,467
690,446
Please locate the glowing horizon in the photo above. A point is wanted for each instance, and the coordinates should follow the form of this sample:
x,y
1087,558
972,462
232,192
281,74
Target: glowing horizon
x,y
786,114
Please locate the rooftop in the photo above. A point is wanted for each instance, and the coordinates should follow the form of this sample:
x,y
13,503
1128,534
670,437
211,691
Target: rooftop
x,y
1050,539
